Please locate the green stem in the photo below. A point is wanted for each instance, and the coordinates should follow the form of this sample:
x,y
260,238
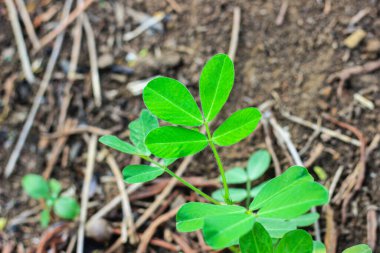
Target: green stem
x,y
220,166
248,199
183,181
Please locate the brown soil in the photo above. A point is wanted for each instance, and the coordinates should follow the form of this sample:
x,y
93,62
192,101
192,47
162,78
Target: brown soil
x,y
288,63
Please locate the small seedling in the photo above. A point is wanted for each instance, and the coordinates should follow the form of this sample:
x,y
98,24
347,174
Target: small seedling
x,y
49,191
270,222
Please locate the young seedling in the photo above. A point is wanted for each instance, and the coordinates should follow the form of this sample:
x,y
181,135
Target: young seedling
x,y
257,165
269,223
38,188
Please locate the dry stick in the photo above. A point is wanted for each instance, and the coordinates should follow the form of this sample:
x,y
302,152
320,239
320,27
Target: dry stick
x,y
157,202
113,203
20,42
324,130
95,80
235,33
331,235
335,181
296,158
144,26
79,130
175,6
64,23
85,190
372,226
148,234
281,15
38,98
126,205
268,141
28,23
347,73
183,244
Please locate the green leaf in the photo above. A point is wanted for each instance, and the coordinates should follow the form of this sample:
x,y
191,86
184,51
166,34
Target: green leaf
x,y
35,186
175,142
66,208
140,128
236,194
257,240
215,84
295,201
361,248
190,216
255,190
169,161
54,187
220,231
141,173
258,163
297,241
276,186
235,176
277,228
45,218
305,220
318,247
117,144
237,127
171,101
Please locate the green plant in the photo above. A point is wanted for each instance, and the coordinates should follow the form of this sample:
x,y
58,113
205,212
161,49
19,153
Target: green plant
x,y
49,191
270,222
257,165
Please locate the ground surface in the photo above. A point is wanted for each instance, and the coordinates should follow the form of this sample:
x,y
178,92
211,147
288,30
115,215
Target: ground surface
x,y
289,64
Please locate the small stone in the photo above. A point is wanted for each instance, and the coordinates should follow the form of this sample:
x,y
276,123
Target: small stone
x,y
170,59
355,38
373,46
323,104
105,61
99,230
326,91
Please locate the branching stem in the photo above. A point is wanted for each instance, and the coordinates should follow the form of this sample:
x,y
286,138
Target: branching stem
x,y
183,181
220,166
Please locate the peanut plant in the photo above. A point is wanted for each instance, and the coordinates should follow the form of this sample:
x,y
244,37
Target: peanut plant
x,y
39,188
270,222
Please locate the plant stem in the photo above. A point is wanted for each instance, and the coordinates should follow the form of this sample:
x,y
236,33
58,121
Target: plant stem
x,y
220,166
183,181
248,199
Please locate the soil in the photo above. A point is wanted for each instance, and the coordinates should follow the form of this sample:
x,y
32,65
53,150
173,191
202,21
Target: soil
x,y
287,63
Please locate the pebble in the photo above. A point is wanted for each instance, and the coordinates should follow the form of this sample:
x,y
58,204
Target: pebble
x,y
105,61
355,38
99,230
373,46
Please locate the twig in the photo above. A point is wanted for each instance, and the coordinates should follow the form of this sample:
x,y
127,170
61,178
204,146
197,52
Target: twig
x,y
85,190
372,226
79,130
360,136
235,33
312,137
39,96
113,203
70,247
314,154
322,129
28,23
331,236
157,202
95,80
347,73
281,15
20,42
183,244
175,6
144,26
48,235
163,244
268,141
57,148
327,7
335,181
77,34
148,234
64,23
296,158
127,210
